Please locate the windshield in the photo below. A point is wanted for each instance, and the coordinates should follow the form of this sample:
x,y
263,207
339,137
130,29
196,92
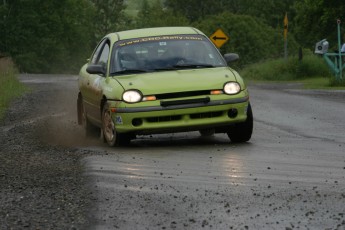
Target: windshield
x,y
164,53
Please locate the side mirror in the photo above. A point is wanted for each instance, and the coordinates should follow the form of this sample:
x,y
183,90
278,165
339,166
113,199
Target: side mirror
x,y
96,69
231,57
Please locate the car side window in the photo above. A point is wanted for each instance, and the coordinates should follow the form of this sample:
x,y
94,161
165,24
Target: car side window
x,y
104,56
101,54
95,55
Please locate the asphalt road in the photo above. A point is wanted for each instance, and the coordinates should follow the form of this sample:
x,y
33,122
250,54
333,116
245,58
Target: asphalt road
x,y
291,175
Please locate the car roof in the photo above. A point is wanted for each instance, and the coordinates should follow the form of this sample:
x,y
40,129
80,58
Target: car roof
x,y
150,32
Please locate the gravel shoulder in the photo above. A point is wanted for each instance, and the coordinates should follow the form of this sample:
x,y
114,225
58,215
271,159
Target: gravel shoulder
x,y
41,177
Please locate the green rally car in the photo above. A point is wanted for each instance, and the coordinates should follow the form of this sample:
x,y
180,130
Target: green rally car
x,y
162,80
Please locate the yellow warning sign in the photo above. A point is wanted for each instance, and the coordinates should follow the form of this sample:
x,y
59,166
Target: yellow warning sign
x,y
286,24
219,38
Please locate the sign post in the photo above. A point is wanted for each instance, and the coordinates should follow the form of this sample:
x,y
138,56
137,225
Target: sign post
x,y
339,51
219,38
286,24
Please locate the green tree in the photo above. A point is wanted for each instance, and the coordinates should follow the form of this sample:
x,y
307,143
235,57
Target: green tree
x,y
316,20
271,12
195,10
109,17
46,36
252,39
155,16
144,15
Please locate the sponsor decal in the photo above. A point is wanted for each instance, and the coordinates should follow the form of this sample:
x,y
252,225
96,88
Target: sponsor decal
x,y
97,82
118,120
159,38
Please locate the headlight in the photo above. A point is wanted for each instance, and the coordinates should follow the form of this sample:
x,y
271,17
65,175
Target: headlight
x,y
232,88
132,96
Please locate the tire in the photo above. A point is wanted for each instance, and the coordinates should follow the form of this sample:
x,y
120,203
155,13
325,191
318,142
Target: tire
x,y
207,132
242,132
110,135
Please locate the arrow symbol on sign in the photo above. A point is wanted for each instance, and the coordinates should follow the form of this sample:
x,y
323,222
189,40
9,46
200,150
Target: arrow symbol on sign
x,y
218,38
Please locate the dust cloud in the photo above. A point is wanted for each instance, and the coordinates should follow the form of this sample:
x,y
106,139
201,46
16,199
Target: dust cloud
x,y
57,123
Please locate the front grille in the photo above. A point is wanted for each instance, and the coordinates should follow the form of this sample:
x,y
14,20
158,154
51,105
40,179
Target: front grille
x,y
187,101
179,117
164,119
182,94
206,115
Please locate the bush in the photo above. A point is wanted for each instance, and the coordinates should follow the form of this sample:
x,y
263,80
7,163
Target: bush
x,y
291,69
10,87
334,82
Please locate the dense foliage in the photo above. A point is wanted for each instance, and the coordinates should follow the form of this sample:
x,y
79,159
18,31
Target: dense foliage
x,y
109,16
59,35
155,16
269,11
252,39
45,36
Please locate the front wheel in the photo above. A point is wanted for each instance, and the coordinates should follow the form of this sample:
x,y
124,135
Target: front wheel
x,y
207,132
110,135
242,132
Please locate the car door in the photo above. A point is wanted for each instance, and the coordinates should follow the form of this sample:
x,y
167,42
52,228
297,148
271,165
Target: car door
x,y
93,93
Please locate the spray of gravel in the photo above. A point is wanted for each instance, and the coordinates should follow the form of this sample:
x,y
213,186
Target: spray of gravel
x,y
57,123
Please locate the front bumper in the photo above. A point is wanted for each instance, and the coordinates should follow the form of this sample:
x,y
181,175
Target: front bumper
x,y
180,115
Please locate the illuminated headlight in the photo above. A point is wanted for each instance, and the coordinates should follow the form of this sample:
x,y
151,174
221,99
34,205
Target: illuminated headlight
x,y
132,96
232,88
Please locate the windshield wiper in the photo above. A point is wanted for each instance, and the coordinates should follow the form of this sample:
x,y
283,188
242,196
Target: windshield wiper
x,y
129,71
165,68
193,66
184,66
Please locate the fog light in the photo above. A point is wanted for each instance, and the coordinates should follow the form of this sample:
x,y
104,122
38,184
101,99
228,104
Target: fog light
x,y
137,122
232,113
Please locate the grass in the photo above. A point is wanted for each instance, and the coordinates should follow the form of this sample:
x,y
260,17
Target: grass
x,y
10,87
312,71
319,83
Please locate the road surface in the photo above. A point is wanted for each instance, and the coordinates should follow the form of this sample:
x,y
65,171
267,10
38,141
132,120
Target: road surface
x,y
291,175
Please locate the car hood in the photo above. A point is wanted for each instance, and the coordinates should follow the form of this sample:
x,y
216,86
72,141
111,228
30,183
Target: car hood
x,y
177,80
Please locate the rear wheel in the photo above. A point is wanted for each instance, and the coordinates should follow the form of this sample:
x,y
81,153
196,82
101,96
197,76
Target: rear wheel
x,y
242,132
110,135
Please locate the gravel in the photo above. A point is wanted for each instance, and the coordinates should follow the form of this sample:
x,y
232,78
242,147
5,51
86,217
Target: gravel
x,y
41,180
